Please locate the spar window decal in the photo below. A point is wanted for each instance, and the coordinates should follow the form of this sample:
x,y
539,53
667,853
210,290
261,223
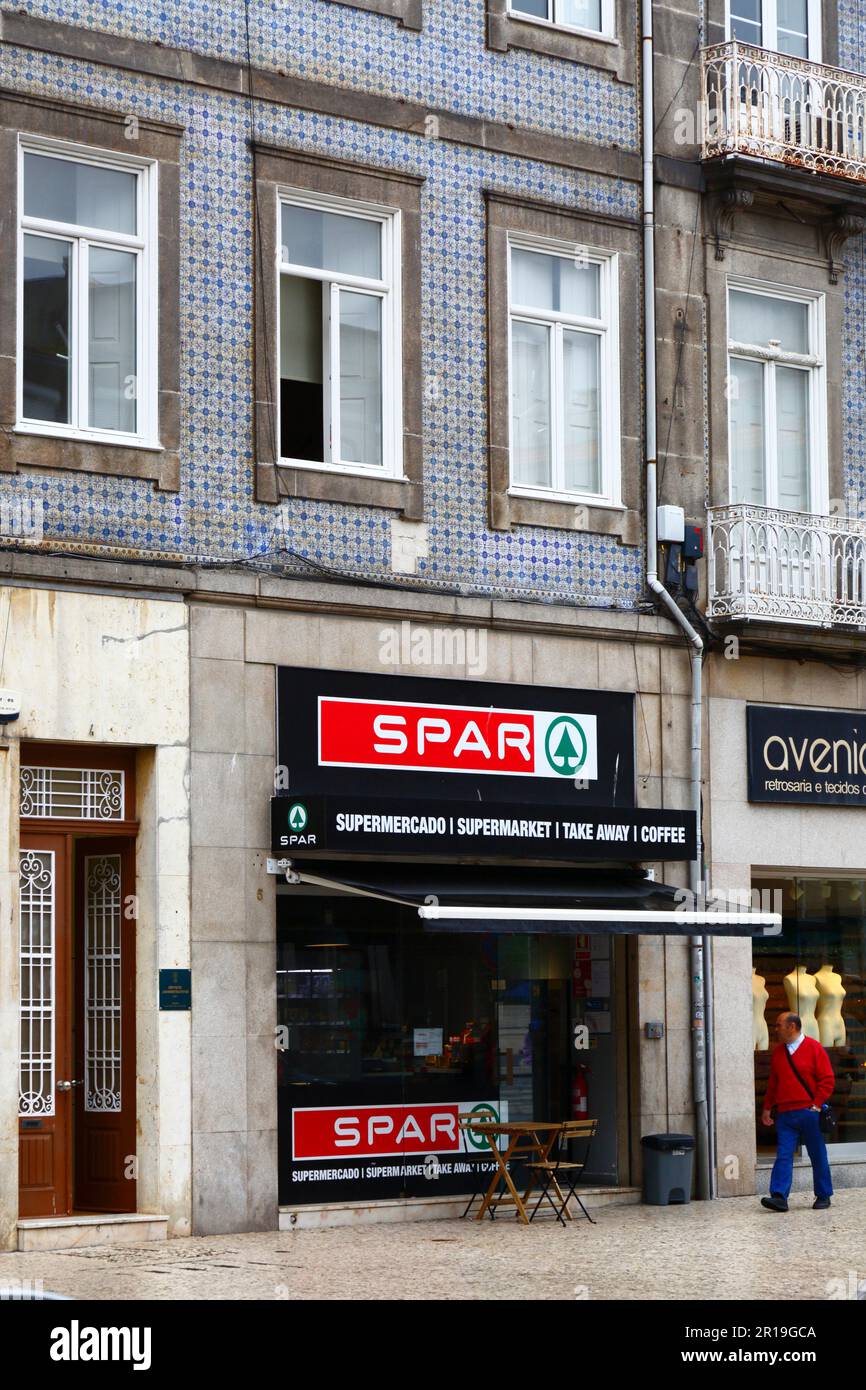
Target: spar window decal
x,y
324,1133
409,736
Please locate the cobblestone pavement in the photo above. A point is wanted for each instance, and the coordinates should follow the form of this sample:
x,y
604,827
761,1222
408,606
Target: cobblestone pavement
x,y
726,1249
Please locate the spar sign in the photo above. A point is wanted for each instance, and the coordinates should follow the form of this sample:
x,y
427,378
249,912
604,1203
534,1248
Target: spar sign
x,y
412,737
389,1131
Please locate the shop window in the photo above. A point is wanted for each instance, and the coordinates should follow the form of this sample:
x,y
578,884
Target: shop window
x,y
776,399
564,364
817,968
387,1033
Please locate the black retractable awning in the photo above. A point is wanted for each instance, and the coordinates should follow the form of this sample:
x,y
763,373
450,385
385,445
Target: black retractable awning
x,y
454,898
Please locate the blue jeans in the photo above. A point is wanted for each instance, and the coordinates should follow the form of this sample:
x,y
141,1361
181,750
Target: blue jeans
x,y
795,1127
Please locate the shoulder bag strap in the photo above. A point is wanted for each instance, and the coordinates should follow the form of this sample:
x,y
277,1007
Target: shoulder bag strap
x,y
806,1088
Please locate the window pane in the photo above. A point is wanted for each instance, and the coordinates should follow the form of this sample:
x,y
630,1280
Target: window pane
x,y
746,21
301,374
332,241
762,319
554,282
792,438
530,404
793,27
793,15
583,14
86,194
112,340
746,391
581,352
539,9
46,345
360,378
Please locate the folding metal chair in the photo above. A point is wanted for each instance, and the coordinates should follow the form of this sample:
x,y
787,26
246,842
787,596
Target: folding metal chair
x,y
480,1185
571,1171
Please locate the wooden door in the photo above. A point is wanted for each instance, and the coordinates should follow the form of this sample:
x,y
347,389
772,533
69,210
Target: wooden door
x,y
45,1103
104,1042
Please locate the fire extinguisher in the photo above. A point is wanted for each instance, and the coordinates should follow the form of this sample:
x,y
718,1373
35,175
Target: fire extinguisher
x,y
580,1093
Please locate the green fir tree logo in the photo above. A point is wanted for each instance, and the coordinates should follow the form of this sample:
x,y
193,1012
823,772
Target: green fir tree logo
x,y
565,746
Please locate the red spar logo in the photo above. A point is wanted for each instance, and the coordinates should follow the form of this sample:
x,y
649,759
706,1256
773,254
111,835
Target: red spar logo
x,y
370,1131
455,738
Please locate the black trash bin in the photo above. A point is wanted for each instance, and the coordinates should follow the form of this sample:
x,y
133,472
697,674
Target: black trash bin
x,y
667,1168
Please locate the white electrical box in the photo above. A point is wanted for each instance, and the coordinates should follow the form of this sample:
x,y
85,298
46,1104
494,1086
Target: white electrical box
x,y
10,706
671,524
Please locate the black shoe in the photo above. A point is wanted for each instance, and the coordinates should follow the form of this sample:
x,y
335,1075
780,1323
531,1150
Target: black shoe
x,y
774,1202
821,1204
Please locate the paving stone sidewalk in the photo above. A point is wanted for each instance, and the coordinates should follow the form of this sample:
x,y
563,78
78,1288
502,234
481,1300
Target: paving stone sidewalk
x,y
730,1249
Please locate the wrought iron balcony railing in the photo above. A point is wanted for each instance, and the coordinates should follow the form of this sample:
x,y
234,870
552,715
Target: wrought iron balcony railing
x,y
776,107
786,567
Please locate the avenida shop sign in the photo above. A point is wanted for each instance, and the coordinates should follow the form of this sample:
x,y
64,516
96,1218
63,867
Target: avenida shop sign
x,y
813,757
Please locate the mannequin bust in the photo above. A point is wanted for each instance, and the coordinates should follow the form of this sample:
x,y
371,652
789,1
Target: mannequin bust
x,y
831,1027
760,1031
802,993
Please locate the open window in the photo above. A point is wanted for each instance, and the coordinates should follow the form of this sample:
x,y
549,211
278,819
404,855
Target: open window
x,y
339,336
338,372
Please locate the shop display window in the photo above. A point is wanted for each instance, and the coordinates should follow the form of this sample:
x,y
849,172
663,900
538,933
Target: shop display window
x,y
817,968
375,1014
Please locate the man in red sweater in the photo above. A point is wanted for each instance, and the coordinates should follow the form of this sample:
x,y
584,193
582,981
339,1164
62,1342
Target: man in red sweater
x,y
798,1100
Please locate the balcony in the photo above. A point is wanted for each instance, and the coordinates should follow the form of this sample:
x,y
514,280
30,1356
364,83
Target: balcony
x,y
786,567
770,106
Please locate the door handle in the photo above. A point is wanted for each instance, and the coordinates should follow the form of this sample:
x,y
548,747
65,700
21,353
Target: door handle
x,y
67,1085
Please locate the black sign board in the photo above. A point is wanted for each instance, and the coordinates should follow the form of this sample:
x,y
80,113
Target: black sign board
x,y
349,825
408,766
812,757
175,989
596,724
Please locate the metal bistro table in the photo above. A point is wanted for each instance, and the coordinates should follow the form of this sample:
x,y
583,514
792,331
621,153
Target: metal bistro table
x,y
527,1139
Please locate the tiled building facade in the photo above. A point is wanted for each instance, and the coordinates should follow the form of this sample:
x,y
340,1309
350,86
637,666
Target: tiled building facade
x,y
214,514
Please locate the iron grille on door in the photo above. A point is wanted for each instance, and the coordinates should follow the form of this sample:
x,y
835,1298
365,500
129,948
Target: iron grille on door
x,y
37,917
102,1040
72,793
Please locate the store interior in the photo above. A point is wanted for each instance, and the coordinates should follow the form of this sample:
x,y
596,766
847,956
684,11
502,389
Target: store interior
x,y
816,968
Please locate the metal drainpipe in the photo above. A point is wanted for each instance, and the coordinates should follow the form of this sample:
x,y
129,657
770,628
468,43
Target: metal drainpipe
x,y
703,1111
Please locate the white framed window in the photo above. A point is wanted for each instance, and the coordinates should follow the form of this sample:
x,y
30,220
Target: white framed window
x,y
339,335
777,408
587,16
87,290
783,26
564,371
